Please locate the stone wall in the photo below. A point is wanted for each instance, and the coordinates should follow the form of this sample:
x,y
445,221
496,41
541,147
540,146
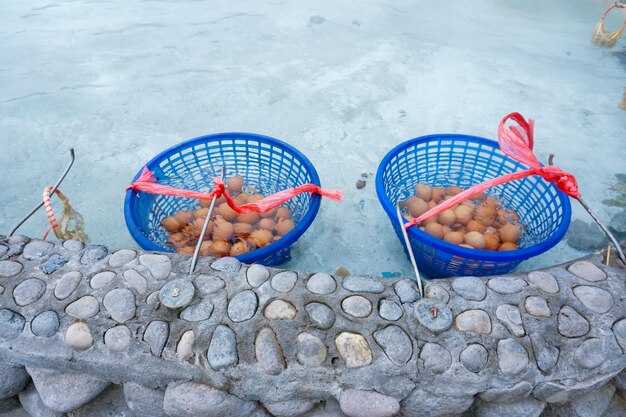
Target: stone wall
x,y
83,329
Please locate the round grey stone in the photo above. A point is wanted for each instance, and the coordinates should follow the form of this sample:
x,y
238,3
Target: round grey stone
x,y
512,356
546,353
29,291
474,357
571,323
510,316
226,264
321,315
177,293
437,359
594,298
537,306
53,263
45,324
73,245
437,292
117,339
222,351
395,343
257,275
470,288
120,304
357,283
78,336
268,352
357,306
122,257
506,285
197,312
10,268
243,306
93,254
160,266
36,249
389,310
362,403
406,290
321,283
587,271
477,321
156,335
136,281
433,314
67,284
102,279
208,284
83,308
284,281
11,324
311,350
590,354
544,281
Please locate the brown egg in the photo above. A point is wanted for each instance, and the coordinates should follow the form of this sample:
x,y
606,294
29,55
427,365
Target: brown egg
x,y
184,217
469,204
453,190
457,227
431,219
223,230
423,191
234,184
445,229
261,237
485,215
436,194
239,248
171,224
241,199
492,242
267,224
201,212
191,231
475,226
509,233
209,229
220,248
431,204
463,214
454,237
205,248
250,218
475,239
284,226
226,212
491,202
283,213
255,197
416,206
186,250
447,217
242,230
491,230
270,214
434,229
507,246
480,196
178,240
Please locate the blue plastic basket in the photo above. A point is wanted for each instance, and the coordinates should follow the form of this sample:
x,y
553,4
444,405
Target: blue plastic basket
x,y
458,160
266,163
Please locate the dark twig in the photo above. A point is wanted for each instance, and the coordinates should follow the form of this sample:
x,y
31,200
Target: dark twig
x,y
33,211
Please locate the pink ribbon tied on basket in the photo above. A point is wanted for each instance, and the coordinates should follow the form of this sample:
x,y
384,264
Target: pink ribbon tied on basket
x,y
516,141
148,183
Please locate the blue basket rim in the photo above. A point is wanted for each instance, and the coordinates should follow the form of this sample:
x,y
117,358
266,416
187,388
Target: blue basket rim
x,y
257,254
478,254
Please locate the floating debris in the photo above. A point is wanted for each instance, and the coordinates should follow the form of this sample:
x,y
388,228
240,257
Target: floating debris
x,y
342,272
360,184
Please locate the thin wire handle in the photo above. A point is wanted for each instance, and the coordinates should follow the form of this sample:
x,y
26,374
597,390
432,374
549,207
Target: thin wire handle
x,y
52,191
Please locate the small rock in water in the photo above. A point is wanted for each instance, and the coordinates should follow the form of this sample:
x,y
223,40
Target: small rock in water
x,y
342,272
53,263
360,184
585,236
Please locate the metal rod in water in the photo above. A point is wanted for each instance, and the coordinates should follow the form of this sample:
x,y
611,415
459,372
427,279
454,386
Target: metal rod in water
x,y
410,250
194,259
33,211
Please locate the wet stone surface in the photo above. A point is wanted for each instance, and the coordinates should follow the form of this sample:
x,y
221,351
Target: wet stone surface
x,y
93,254
572,324
122,257
222,351
67,284
395,343
226,264
45,324
357,283
284,281
257,275
243,306
117,339
102,279
11,324
389,310
208,284
83,308
197,312
437,359
321,315
470,288
120,304
73,245
321,284
357,306
406,290
311,350
587,271
474,357
29,291
53,263
10,268
36,249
